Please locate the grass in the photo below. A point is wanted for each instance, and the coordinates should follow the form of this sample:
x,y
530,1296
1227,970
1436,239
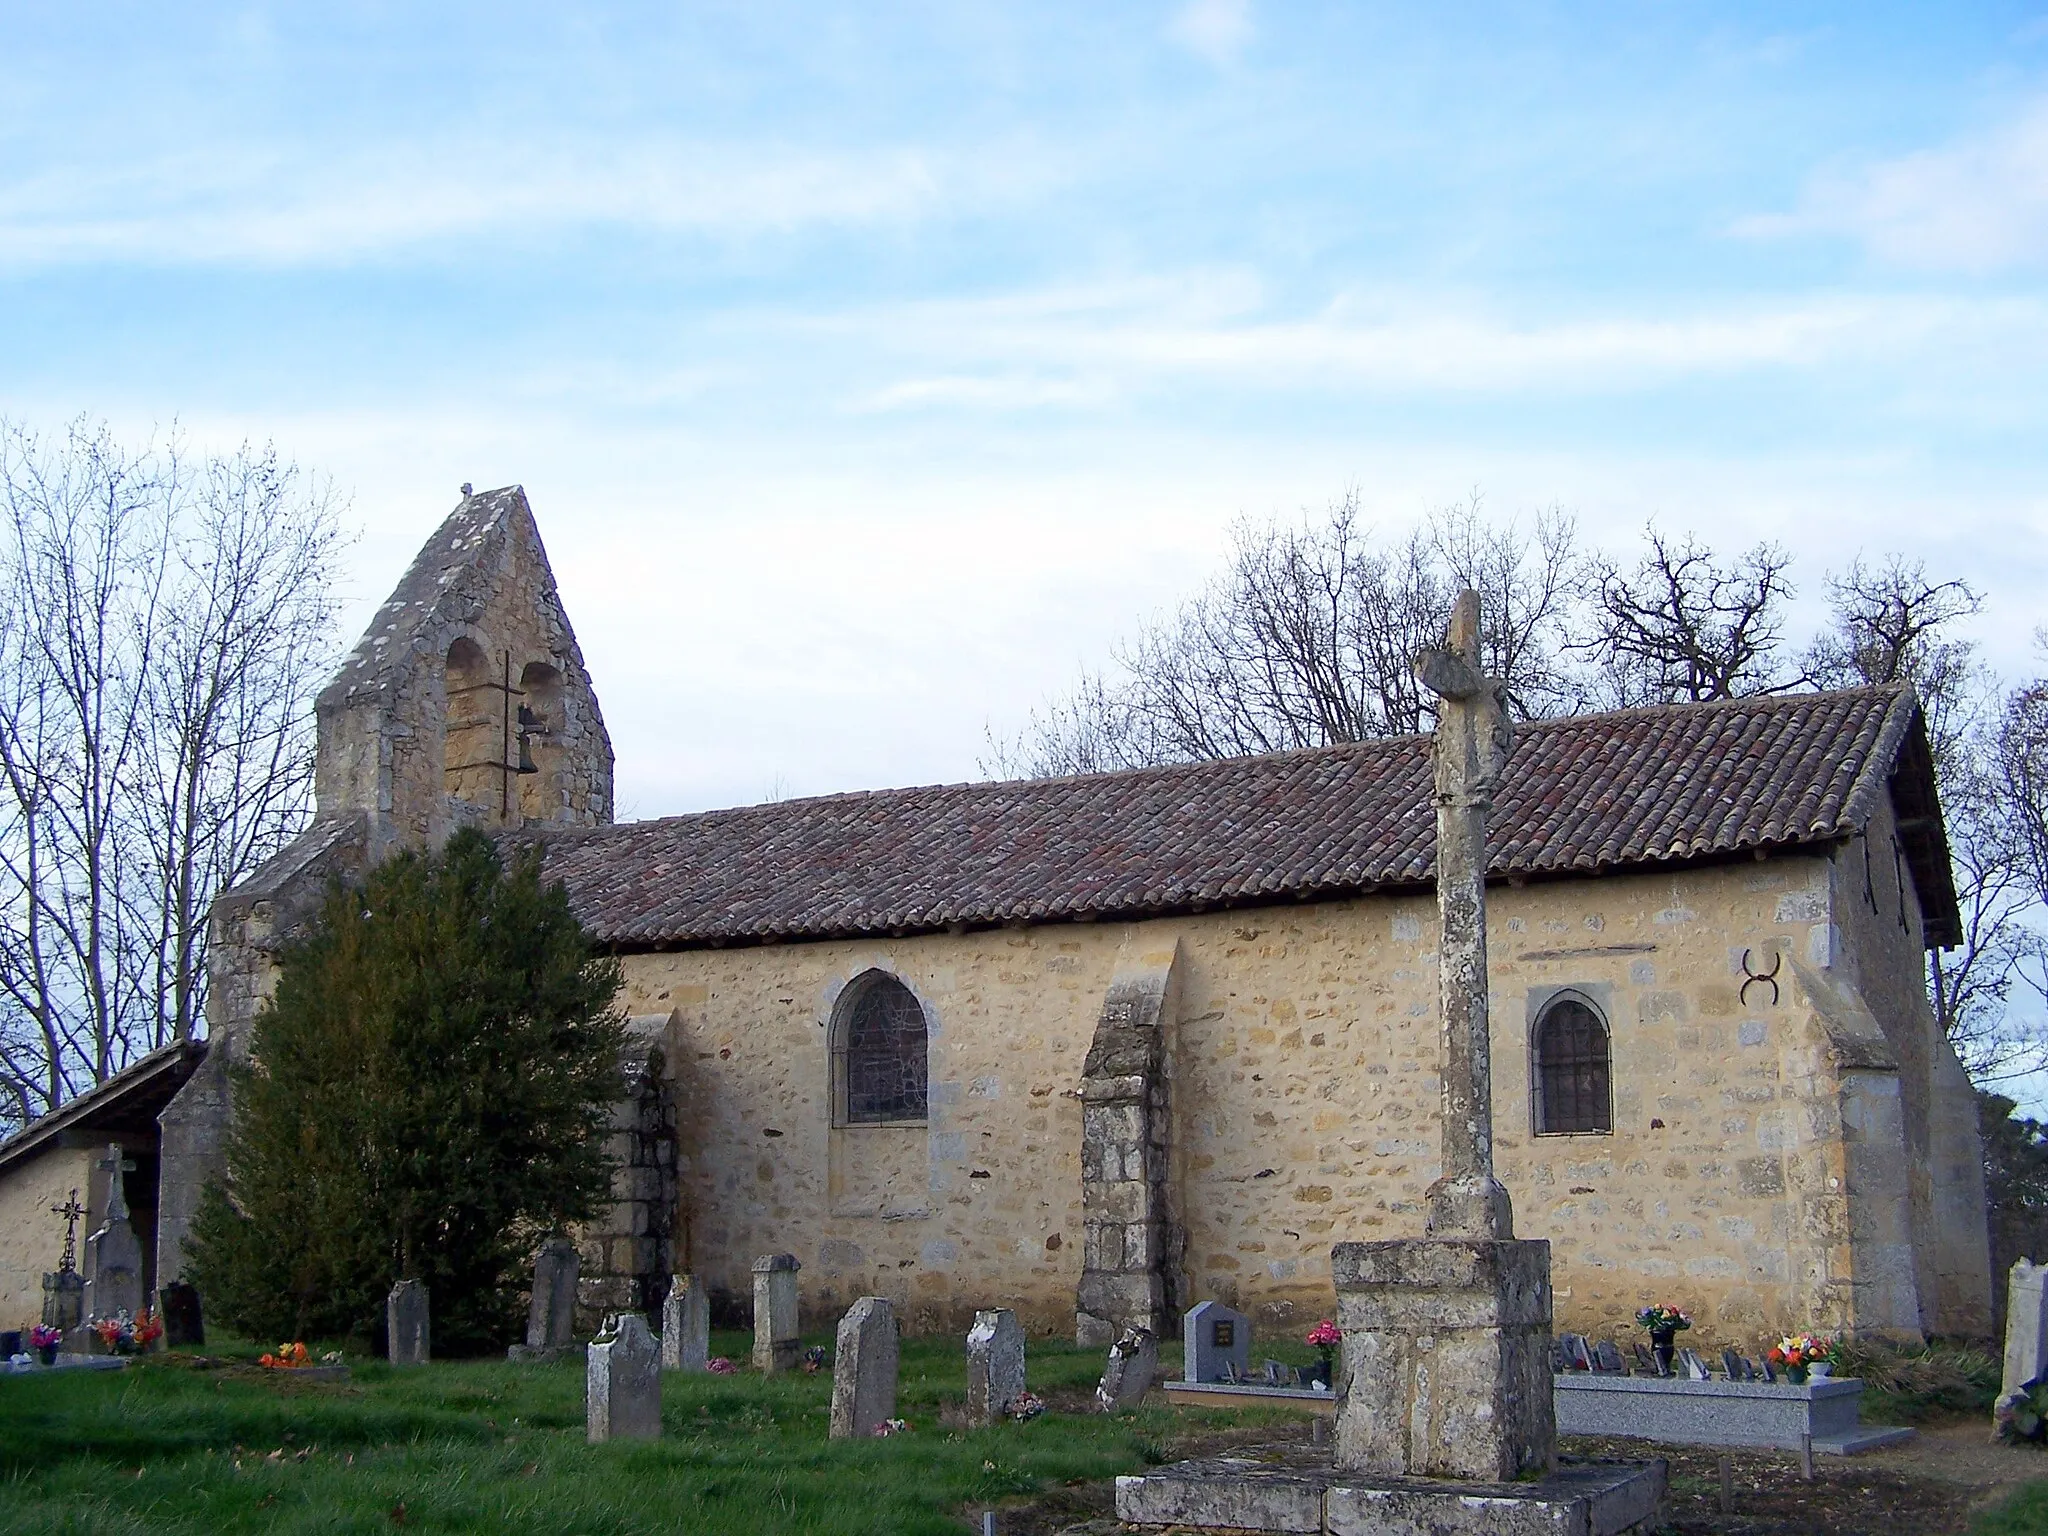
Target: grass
x,y
1920,1386
2024,1514
486,1446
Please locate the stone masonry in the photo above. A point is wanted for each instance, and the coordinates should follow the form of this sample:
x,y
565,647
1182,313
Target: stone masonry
x,y
626,1252
1132,1245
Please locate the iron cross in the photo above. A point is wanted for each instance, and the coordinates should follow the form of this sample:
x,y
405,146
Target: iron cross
x,y
70,1210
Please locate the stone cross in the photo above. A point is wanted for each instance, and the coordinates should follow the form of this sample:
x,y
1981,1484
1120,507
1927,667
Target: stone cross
x,y
115,1165
114,1253
995,1366
776,1344
686,1325
622,1382
864,1369
70,1210
405,1320
1470,750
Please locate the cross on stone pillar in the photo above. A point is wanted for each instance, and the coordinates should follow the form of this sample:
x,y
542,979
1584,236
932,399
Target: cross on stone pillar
x,y
70,1210
1470,749
115,1165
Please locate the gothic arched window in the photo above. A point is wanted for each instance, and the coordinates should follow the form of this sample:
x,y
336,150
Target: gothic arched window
x,y
879,1053
1572,1071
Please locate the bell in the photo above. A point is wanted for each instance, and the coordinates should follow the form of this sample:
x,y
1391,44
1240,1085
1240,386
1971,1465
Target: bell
x,y
526,762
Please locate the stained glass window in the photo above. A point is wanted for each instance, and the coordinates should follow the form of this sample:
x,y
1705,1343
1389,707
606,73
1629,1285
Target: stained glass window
x,y
1572,1069
883,1054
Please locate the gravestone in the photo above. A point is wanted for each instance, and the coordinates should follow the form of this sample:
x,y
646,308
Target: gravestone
x,y
686,1325
622,1382
864,1369
551,1314
1695,1367
1732,1363
1133,1362
2026,1327
1576,1356
184,1326
776,1345
114,1253
1646,1362
1216,1343
1607,1358
405,1323
995,1366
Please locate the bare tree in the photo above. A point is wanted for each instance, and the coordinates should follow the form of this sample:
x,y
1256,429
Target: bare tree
x,y
1307,638
1679,625
162,625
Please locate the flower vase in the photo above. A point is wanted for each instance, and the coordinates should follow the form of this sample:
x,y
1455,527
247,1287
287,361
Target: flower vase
x,y
1663,1345
1796,1374
1320,1372
1821,1370
48,1353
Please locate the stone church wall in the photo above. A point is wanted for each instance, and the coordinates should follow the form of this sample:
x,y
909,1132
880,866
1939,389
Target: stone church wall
x,y
1304,1102
30,1237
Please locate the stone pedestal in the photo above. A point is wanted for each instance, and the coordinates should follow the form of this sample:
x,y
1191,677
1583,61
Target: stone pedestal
x,y
405,1323
63,1299
686,1325
995,1366
864,1369
777,1344
622,1383
1446,1357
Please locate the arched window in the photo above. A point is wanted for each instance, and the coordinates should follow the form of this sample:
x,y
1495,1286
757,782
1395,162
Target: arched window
x,y
471,764
1572,1077
879,1053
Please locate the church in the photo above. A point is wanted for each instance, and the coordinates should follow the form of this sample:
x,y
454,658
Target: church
x,y
1101,1047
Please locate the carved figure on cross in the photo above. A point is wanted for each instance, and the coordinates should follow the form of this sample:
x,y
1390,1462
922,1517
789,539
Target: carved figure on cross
x,y
1470,749
70,1210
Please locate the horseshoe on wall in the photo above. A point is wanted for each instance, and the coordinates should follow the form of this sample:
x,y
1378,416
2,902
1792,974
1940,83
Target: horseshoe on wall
x,y
1751,978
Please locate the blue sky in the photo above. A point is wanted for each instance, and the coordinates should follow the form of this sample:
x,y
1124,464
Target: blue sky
x,y
871,368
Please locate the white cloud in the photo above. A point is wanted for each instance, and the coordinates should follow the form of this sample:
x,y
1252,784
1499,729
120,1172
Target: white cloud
x,y
299,207
1977,205
1216,29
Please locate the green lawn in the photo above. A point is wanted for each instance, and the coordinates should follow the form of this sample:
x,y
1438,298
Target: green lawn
x,y
490,1447
2024,1514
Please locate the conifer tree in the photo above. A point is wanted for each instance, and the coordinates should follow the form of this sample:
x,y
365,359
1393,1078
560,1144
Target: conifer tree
x,y
428,1094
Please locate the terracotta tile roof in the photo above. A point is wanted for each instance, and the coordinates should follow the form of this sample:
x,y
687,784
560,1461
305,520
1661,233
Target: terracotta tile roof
x,y
1581,794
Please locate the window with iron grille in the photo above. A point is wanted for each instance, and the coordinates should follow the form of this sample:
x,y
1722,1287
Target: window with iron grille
x,y
882,1054
1572,1070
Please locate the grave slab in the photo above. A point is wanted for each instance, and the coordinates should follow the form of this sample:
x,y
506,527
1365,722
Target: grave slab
x,y
777,1346
995,1366
864,1359
1290,1490
1225,1394
1749,1414
686,1325
622,1382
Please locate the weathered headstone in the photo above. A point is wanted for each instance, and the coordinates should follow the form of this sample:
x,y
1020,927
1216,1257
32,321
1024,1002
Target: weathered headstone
x,y
2026,1327
777,1346
405,1324
551,1314
1447,1338
113,1255
1133,1362
864,1369
622,1382
184,1324
686,1325
1216,1343
995,1365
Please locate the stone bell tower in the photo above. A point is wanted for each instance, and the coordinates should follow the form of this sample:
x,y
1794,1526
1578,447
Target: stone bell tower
x,y
465,703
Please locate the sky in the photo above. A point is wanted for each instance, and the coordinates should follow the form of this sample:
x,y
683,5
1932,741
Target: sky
x,y
872,368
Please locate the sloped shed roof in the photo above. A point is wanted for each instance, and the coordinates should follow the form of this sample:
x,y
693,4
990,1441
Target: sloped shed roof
x,y
1581,795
